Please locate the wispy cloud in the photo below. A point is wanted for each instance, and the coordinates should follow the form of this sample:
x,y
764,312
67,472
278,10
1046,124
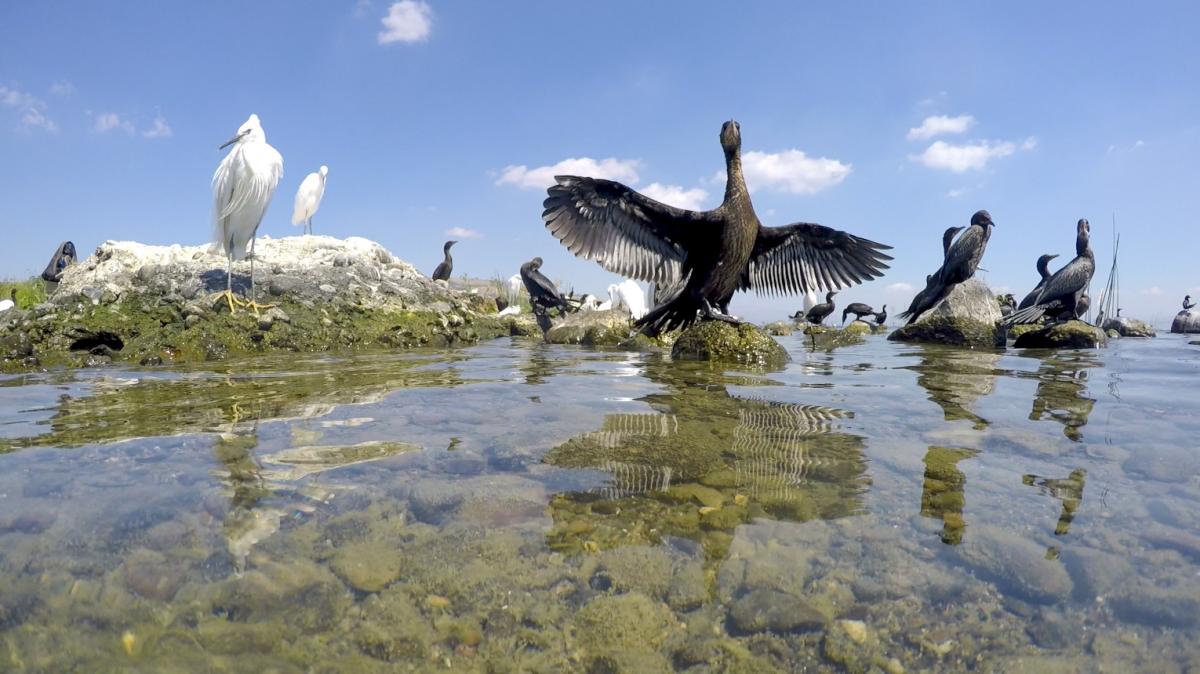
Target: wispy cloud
x,y
674,195
962,158
789,171
62,88
31,110
463,233
899,288
936,125
160,129
1029,143
406,21
110,121
1153,291
621,170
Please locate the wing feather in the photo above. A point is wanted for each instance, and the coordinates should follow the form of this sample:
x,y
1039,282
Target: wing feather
x,y
800,257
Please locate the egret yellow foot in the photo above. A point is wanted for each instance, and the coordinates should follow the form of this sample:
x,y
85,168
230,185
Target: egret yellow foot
x,y
255,306
232,300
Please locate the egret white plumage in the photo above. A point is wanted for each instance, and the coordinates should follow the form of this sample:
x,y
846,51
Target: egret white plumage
x,y
628,294
308,198
514,285
242,189
9,303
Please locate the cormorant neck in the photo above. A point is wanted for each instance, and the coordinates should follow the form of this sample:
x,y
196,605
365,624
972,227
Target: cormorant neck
x,y
735,183
1083,246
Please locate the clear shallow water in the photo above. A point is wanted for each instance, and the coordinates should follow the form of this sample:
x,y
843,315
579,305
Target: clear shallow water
x,y
521,507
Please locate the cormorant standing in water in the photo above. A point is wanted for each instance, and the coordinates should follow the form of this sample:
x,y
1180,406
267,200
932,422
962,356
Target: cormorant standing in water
x,y
713,253
1065,292
1043,268
881,316
1187,305
442,272
934,288
820,311
858,309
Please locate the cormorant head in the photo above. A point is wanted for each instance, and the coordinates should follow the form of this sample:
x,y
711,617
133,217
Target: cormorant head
x,y
829,295
69,249
731,137
250,130
448,244
1082,226
536,263
982,218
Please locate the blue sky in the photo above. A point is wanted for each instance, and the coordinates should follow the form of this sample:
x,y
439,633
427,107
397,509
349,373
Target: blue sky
x,y
889,120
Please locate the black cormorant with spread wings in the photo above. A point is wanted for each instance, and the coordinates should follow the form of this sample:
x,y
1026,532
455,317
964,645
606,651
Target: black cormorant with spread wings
x,y
1064,295
713,253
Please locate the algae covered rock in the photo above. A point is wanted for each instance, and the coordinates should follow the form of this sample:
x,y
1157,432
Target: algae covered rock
x,y
590,328
968,316
626,622
780,328
1068,335
724,342
367,566
858,328
1129,327
1186,322
822,337
1016,564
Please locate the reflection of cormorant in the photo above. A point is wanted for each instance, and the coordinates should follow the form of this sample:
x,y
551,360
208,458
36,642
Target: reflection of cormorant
x,y
443,270
1062,380
1062,294
942,495
955,379
1043,268
718,252
64,256
1069,490
820,311
858,309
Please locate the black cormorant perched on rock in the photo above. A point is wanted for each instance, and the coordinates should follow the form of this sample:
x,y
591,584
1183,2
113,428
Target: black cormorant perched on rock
x,y
881,316
962,259
858,309
1043,268
1063,295
714,253
442,273
542,293
64,256
1187,305
934,289
820,311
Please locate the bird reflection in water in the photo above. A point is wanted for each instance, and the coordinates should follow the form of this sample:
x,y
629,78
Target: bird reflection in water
x,y
1068,490
1062,382
942,494
956,379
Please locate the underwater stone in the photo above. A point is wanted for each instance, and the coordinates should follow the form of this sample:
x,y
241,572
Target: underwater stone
x,y
723,342
367,566
1017,564
1068,335
152,576
626,622
689,588
637,568
1163,463
1096,573
773,611
968,316
1146,603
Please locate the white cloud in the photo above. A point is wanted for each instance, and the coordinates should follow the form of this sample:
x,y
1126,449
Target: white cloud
x,y
30,109
621,170
160,129
957,192
1139,143
1153,292
899,288
1029,143
406,21
936,125
107,121
463,233
789,171
62,88
962,158
675,195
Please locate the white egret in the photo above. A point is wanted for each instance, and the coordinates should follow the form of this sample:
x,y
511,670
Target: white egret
x,y
308,198
9,303
242,189
628,294
515,284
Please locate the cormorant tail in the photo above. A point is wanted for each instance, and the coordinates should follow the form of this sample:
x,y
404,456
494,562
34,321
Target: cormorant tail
x,y
1021,316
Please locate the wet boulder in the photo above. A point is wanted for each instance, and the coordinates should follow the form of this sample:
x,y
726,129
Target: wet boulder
x,y
822,337
719,341
967,316
780,328
590,328
1186,322
1129,327
1068,335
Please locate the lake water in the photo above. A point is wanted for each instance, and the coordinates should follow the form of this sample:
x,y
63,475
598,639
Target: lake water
x,y
525,507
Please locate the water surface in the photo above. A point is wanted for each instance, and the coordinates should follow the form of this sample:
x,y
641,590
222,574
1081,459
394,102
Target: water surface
x,y
524,507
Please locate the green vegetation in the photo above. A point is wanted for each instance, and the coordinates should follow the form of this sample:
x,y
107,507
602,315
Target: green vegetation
x,y
29,292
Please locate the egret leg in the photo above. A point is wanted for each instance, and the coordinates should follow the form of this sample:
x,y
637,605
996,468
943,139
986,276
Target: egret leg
x,y
233,301
254,306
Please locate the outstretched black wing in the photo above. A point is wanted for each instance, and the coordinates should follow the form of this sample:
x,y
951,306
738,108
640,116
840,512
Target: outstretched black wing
x,y
796,258
626,232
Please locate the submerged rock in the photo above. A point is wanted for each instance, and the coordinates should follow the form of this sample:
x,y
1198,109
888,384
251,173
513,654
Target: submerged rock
x,y
1129,327
626,622
1068,335
773,611
1017,565
1186,321
968,316
724,342
590,328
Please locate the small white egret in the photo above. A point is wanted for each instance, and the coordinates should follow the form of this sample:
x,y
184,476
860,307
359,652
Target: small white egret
x,y
510,310
242,189
7,304
628,294
515,284
308,198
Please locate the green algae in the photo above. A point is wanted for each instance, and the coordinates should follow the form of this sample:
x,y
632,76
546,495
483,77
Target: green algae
x,y
723,342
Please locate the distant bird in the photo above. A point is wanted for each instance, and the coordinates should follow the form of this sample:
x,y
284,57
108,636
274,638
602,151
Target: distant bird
x,y
712,253
820,311
1008,304
881,316
1043,268
858,309
1065,292
9,303
1186,304
242,189
960,259
442,272
542,293
512,287
64,256
629,295
308,198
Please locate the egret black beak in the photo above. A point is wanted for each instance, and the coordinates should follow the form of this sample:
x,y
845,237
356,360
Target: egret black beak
x,y
233,140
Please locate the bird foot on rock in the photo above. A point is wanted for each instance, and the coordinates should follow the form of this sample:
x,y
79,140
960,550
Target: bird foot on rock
x,y
713,314
232,300
256,307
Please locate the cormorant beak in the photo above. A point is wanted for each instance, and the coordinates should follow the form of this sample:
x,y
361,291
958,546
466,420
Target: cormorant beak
x,y
233,140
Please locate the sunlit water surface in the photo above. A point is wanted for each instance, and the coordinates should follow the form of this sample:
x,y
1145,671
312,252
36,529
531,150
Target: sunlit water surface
x,y
523,507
